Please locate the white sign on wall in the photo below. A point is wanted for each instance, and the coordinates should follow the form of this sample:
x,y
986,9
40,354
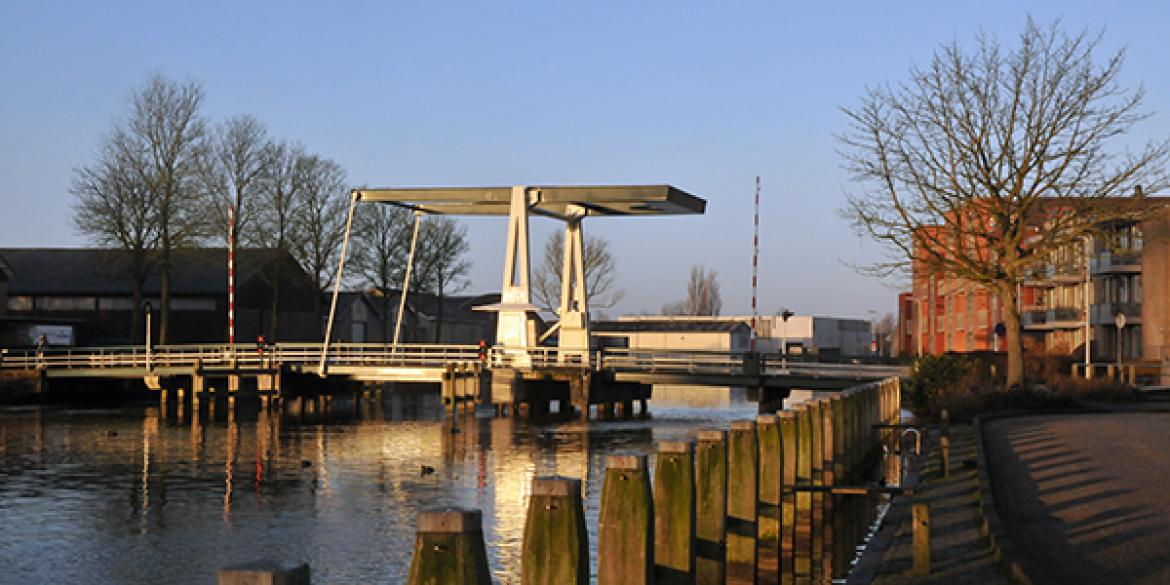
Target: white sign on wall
x,y
54,334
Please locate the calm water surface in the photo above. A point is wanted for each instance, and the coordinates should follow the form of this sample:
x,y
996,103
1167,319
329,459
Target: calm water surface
x,y
148,495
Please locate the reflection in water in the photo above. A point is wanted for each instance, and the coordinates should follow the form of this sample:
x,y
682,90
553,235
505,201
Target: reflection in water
x,y
174,491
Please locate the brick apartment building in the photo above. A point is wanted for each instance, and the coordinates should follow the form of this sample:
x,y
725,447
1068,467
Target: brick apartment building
x,y
1077,291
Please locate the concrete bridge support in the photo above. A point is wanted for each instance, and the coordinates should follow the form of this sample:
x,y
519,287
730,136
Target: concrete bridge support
x,y
463,387
772,398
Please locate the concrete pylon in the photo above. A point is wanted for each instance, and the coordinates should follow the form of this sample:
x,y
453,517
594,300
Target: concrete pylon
x,y
515,326
574,309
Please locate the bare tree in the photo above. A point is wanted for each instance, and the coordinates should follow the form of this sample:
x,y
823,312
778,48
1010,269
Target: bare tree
x,y
319,221
703,298
381,243
600,274
238,157
275,220
162,142
113,209
441,264
985,161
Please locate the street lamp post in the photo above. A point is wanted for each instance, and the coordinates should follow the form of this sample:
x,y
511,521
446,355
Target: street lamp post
x,y
784,315
1088,307
147,307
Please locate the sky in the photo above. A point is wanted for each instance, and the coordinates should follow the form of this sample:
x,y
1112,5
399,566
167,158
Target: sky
x,y
704,96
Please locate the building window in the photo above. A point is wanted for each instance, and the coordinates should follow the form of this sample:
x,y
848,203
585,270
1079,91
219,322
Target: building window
x,y
193,304
67,303
20,303
115,303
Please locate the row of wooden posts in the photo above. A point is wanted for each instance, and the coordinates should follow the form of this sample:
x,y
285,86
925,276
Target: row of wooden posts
x,y
775,499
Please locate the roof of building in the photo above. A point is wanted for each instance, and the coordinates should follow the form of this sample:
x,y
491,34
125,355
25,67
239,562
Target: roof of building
x,y
95,271
455,308
668,325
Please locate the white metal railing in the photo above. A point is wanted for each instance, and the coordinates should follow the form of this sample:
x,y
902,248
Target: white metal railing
x,y
172,356
670,361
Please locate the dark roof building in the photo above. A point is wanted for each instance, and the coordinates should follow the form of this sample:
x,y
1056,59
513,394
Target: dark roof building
x,y
94,289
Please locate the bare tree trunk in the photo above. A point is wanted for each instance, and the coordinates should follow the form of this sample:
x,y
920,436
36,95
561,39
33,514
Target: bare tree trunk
x,y
135,334
439,315
387,336
165,292
274,331
1009,299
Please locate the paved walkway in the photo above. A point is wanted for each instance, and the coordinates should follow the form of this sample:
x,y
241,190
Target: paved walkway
x,y
1087,497
960,554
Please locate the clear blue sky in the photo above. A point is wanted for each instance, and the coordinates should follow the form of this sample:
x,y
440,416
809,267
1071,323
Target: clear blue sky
x,y
701,95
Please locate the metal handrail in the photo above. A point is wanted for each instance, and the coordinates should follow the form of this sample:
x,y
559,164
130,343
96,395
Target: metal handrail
x,y
651,360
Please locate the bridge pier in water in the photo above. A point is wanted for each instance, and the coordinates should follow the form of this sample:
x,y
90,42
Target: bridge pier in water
x,y
574,389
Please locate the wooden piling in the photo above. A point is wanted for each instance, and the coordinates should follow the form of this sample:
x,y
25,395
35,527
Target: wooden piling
x,y
788,442
802,544
556,544
842,548
742,469
921,530
264,572
945,453
625,550
449,549
771,464
674,518
828,479
817,462
711,507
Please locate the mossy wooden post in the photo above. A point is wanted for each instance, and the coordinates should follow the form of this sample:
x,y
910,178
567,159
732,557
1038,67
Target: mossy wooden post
x,y
625,548
771,464
711,507
828,479
816,409
802,546
788,442
674,520
945,454
556,544
921,531
856,465
742,468
842,548
264,572
449,549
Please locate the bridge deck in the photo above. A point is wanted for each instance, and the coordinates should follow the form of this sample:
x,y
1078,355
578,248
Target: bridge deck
x,y
428,363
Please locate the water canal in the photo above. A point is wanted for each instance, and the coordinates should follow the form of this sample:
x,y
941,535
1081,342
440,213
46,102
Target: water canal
x,y
143,495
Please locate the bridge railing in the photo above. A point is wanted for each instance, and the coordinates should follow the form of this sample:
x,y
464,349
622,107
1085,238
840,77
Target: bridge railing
x,y
171,356
672,361
651,360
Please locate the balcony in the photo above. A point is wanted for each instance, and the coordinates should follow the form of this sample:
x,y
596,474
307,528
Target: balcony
x,y
1047,319
1034,319
1124,261
1105,313
1037,277
1066,272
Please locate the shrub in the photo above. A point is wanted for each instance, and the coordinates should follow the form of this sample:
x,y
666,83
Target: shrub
x,y
952,382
